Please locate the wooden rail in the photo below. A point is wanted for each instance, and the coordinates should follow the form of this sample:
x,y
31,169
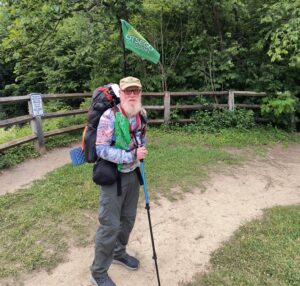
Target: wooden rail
x,y
65,113
17,142
36,120
16,120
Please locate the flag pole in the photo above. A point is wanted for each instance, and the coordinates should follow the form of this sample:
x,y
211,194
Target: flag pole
x,y
124,58
124,51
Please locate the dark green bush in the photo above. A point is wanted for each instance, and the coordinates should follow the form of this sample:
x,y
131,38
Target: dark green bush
x,y
16,155
281,109
215,120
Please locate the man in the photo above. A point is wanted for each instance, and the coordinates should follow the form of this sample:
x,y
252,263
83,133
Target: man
x,y
118,207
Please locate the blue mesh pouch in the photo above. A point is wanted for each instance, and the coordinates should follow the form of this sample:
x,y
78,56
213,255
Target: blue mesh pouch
x,y
77,156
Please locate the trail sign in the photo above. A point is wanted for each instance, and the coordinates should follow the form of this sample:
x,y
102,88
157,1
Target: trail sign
x,y
37,104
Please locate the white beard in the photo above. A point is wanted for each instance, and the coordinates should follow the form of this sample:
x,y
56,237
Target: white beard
x,y
132,110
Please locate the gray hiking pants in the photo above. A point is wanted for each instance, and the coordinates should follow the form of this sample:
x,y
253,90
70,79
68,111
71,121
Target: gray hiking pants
x,y
116,216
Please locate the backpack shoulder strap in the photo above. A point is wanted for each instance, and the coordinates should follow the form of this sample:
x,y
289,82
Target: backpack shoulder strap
x,y
143,116
144,120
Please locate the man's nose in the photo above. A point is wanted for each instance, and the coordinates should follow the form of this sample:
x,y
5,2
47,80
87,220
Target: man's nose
x,y
131,94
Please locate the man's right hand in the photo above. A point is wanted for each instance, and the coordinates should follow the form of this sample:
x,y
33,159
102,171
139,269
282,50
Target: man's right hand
x,y
141,153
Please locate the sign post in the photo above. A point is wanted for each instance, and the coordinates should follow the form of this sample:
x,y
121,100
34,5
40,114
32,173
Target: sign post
x,y
35,106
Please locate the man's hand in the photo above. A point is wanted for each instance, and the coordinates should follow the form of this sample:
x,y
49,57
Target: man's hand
x,y
141,153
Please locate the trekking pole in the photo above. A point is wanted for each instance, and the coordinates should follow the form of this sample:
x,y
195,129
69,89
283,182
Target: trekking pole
x,y
147,207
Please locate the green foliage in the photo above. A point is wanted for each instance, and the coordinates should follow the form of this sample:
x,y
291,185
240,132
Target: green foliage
x,y
17,132
281,22
61,122
72,46
213,66
281,108
262,252
55,105
215,120
16,155
14,132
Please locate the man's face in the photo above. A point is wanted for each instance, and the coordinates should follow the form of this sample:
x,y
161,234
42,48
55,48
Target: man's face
x,y
131,95
131,99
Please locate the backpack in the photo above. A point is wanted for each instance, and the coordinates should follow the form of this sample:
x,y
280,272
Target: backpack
x,y
103,98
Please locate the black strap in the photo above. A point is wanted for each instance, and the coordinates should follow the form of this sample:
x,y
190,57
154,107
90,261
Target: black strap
x,y
137,170
119,184
139,175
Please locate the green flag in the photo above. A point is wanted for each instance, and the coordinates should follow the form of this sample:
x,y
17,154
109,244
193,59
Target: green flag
x,y
135,42
122,133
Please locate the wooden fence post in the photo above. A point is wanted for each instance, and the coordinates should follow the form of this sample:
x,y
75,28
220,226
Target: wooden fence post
x,y
167,109
36,126
231,100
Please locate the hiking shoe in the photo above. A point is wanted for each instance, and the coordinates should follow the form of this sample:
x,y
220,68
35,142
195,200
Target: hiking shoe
x,y
127,261
103,280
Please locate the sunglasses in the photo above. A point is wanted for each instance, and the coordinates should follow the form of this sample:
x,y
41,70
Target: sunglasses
x,y
130,91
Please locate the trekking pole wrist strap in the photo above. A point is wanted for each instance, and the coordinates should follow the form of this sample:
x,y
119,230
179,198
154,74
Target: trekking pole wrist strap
x,y
135,153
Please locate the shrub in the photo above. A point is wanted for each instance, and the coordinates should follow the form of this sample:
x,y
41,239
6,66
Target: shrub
x,y
215,120
281,109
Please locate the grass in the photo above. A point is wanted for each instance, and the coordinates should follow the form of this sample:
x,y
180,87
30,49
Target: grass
x,y
17,132
38,223
262,252
18,154
182,158
14,132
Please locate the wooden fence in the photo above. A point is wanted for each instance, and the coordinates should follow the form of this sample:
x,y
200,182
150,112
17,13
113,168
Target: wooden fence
x,y
35,119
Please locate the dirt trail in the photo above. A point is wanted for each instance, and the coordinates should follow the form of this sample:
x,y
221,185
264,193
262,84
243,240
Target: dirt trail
x,y
187,231
22,175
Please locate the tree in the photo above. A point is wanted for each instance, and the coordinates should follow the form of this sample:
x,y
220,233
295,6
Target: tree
x,y
281,30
